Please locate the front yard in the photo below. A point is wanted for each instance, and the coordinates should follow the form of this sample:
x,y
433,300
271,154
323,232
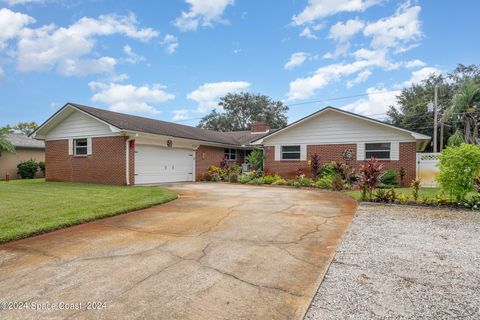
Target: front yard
x,y
29,207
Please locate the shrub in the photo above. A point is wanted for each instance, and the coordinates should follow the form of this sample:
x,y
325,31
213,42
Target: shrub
x,y
315,166
370,173
388,179
215,177
402,173
246,177
255,181
328,170
233,177
337,182
41,165
301,182
216,174
472,203
27,169
385,196
270,179
458,168
280,182
255,159
415,188
324,183
403,198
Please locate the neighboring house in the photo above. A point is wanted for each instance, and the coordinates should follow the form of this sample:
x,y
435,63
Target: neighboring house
x,y
338,135
26,148
86,144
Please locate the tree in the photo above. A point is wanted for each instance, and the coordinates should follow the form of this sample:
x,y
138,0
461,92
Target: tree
x,y
243,109
464,108
5,144
23,127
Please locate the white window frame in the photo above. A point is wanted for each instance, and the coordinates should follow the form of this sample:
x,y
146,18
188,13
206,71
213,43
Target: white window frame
x,y
83,147
379,150
229,152
291,152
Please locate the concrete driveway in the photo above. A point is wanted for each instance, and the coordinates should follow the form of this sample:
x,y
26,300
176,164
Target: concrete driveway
x,y
220,251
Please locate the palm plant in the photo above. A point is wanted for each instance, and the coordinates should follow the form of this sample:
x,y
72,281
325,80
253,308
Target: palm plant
x,y
5,145
464,107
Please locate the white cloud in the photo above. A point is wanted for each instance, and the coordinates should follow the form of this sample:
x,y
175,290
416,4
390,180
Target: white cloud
x,y
415,63
361,77
65,48
375,105
129,98
396,31
341,32
11,25
12,3
207,95
422,74
296,59
317,9
132,57
202,13
2,73
182,114
307,33
170,42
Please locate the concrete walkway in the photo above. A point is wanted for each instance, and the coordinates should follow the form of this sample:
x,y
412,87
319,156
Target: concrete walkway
x,y
220,251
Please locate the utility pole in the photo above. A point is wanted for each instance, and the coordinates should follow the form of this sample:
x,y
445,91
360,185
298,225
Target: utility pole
x,y
441,135
435,119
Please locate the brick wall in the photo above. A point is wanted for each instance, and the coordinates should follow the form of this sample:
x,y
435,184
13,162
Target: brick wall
x,y
208,155
105,165
333,152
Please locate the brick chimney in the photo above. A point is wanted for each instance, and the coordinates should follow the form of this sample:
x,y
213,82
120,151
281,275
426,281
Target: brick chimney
x,y
259,127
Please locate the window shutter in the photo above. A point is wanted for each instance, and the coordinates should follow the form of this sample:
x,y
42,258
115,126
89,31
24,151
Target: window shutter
x,y
277,152
70,147
360,151
303,152
395,150
89,146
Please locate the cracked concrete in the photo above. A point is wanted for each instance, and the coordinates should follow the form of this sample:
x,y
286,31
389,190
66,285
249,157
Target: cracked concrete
x,y
220,251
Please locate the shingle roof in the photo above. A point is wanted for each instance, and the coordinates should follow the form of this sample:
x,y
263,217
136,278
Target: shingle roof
x,y
246,137
23,141
147,125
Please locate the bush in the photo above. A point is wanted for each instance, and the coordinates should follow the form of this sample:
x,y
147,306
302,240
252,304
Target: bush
x,y
415,189
337,182
255,159
370,173
301,182
255,181
41,165
246,177
324,183
27,169
388,179
280,182
385,196
233,177
328,170
215,177
458,168
472,203
315,166
271,179
403,198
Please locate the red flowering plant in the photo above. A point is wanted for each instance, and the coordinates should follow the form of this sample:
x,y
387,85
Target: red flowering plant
x,y
370,177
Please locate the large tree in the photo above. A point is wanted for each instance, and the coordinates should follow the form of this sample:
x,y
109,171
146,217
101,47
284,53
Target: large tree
x,y
412,112
5,144
240,110
23,127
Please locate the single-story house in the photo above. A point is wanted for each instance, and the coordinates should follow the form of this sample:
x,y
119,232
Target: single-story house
x,y
86,144
26,148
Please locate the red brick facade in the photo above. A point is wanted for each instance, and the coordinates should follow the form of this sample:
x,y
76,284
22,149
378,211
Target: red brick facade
x,y
105,165
333,152
208,155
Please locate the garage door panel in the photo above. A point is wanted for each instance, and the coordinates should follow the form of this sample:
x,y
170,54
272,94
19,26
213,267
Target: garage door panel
x,y
155,164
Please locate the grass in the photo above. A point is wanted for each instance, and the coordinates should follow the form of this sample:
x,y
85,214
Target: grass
x,y
29,207
428,193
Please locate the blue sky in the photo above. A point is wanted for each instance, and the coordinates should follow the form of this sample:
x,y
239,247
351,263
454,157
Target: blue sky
x,y
172,60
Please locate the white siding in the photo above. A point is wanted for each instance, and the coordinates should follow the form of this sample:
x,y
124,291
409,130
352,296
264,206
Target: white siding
x,y
331,127
78,125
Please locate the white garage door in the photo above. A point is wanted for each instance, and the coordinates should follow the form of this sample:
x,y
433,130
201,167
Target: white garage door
x,y
156,164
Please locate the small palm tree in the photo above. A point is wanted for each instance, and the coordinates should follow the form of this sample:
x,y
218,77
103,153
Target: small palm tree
x,y
5,145
464,106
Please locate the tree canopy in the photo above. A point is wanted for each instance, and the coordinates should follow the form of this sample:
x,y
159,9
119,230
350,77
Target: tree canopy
x,y
23,127
240,110
412,112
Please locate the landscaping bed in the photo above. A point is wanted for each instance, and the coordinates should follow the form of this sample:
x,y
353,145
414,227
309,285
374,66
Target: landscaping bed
x,y
29,207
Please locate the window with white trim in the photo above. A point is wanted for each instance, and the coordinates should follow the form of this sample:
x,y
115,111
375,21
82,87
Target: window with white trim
x,y
290,153
80,147
381,151
230,154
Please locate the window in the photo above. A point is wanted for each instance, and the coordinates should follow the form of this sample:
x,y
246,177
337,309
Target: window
x,y
377,150
290,152
80,147
230,154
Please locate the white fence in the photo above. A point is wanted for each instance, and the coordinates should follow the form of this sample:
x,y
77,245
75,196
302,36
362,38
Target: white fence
x,y
427,168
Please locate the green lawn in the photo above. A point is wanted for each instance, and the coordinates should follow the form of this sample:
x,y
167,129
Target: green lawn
x,y
429,193
29,207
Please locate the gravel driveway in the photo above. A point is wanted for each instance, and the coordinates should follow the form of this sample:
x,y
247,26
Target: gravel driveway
x,y
399,262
